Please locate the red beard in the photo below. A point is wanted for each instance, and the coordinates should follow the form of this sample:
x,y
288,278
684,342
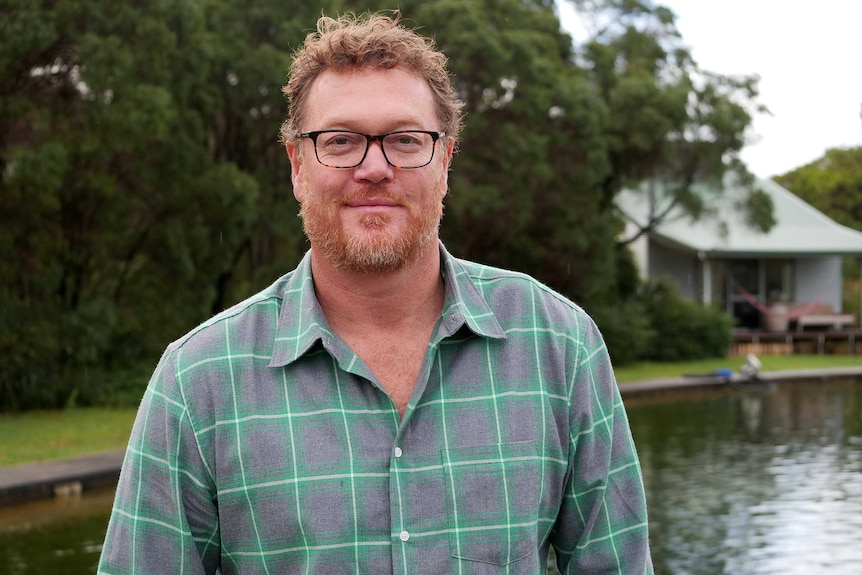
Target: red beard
x,y
379,250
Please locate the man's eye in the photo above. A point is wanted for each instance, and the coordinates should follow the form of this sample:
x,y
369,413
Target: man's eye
x,y
404,141
339,140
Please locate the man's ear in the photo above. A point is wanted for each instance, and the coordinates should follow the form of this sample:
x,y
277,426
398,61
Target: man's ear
x,y
449,150
295,155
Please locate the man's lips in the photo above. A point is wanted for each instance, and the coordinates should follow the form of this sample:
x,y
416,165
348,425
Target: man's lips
x,y
373,202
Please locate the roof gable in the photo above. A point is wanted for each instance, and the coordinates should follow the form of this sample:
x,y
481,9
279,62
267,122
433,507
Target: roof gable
x,y
800,229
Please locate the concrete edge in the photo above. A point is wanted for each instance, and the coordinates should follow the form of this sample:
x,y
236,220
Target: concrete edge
x,y
62,477
46,479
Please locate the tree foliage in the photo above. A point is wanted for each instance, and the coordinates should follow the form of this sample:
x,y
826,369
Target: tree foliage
x,y
669,121
142,187
832,184
142,184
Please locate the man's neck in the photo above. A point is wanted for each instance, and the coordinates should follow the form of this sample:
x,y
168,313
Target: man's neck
x,y
354,301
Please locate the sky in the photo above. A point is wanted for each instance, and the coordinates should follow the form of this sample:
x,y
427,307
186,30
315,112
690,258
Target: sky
x,y
809,59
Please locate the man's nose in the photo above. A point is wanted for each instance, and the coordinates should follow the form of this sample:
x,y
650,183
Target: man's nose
x,y
374,166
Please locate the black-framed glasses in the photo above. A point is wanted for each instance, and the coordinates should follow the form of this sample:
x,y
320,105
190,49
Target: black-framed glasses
x,y
403,149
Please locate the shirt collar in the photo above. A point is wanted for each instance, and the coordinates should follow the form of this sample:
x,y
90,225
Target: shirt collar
x,y
464,304
301,322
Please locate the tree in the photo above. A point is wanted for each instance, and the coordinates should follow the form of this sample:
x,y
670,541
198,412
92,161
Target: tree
x,y
142,186
86,114
832,184
668,121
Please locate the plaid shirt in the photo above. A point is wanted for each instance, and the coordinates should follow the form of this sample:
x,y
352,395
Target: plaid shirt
x,y
265,445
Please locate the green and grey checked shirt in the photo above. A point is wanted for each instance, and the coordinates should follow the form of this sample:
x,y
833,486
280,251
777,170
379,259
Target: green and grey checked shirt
x,y
264,445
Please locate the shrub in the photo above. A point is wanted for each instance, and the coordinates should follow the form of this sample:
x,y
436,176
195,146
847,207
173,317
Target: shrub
x,y
626,330
684,330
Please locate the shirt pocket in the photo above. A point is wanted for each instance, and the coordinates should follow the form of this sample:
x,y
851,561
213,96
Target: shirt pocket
x,y
493,495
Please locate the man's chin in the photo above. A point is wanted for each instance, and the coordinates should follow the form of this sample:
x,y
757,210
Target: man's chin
x,y
375,244
376,254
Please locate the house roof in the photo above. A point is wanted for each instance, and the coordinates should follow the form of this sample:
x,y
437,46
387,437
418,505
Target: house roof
x,y
800,229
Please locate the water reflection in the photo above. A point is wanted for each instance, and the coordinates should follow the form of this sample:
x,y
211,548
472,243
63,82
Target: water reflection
x,y
739,483
755,483
62,535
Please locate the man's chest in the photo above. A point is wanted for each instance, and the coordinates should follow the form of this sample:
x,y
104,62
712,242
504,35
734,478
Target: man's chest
x,y
330,474
395,363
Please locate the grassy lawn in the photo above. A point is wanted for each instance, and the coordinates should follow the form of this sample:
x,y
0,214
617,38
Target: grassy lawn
x,y
43,435
641,371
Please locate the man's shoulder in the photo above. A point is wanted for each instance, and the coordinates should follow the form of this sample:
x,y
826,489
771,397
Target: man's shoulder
x,y
507,290
493,278
249,323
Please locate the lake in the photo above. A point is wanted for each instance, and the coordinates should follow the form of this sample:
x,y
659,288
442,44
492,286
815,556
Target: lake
x,y
754,482
739,482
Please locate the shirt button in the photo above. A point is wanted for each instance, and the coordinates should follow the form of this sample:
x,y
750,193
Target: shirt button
x,y
404,536
398,452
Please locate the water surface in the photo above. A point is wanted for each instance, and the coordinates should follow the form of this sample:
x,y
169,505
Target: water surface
x,y
62,535
754,483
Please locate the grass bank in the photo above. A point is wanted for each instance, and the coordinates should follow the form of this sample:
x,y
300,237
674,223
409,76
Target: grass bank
x,y
642,371
44,435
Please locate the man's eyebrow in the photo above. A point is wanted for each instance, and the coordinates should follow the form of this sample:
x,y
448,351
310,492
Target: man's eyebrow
x,y
354,124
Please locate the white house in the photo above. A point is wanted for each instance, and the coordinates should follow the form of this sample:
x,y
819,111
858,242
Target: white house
x,y
722,260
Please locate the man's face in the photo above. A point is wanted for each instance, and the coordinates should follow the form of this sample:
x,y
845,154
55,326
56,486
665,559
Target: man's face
x,y
373,218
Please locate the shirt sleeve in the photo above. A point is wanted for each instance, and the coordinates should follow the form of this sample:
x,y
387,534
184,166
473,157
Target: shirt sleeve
x,y
602,525
164,518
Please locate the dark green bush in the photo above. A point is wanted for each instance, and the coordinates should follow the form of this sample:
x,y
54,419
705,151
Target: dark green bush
x,y
684,330
626,329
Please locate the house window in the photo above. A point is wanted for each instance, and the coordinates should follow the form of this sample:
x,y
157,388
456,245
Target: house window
x,y
778,275
753,284
744,287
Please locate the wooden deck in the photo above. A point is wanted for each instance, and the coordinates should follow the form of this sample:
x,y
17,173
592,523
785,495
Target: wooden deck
x,y
821,342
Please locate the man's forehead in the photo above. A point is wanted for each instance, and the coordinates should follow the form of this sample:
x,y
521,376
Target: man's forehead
x,y
394,96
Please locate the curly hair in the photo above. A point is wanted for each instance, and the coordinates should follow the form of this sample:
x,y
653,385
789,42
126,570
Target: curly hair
x,y
351,42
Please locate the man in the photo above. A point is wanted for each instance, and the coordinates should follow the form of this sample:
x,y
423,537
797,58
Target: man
x,y
385,407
